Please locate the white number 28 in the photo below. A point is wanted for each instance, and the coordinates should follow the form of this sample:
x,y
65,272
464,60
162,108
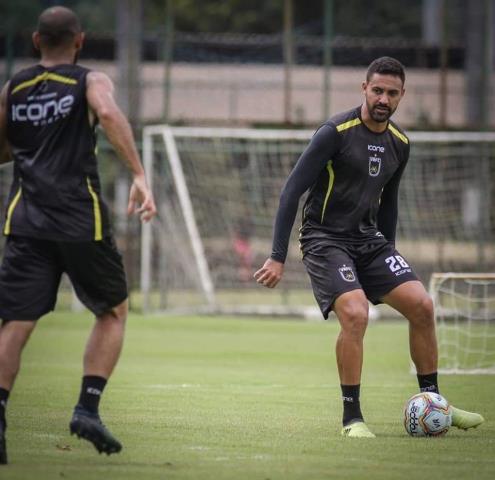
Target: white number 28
x,y
396,262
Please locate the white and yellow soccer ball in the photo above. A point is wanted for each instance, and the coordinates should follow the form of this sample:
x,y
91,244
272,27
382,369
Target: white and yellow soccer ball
x,y
427,415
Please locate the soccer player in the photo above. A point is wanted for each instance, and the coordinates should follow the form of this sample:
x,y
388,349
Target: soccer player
x,y
56,220
352,168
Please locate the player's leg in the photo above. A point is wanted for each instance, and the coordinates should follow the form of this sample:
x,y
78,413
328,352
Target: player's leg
x,y
352,310
412,300
13,337
387,277
97,273
105,342
336,287
29,278
101,355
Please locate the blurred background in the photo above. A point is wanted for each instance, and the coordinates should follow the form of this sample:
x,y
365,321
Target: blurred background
x,y
277,61
285,65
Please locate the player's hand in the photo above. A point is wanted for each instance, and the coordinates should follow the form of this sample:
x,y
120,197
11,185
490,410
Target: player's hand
x,y
141,200
270,273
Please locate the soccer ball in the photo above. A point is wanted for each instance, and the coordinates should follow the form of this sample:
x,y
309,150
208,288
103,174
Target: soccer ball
x,y
427,415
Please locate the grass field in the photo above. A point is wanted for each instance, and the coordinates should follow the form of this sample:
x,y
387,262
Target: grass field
x,y
225,398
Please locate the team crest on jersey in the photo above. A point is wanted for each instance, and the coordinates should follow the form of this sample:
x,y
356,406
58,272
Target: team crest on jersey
x,y
375,164
347,274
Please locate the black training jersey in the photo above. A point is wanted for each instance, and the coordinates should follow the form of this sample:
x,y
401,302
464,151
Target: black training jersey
x,y
55,194
353,177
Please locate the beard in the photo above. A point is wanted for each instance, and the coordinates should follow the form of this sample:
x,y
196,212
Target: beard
x,y
381,114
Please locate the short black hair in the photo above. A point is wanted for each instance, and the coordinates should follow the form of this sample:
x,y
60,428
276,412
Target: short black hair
x,y
57,26
386,66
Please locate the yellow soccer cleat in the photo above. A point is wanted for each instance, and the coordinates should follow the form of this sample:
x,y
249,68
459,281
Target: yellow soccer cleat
x,y
357,430
464,420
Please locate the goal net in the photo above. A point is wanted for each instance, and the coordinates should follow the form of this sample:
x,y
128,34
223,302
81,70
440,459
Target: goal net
x,y
465,318
217,192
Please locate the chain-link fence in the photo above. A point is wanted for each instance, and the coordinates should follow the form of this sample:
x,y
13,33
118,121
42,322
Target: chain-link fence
x,y
226,79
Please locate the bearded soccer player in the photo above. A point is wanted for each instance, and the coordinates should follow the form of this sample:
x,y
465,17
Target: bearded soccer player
x,y
352,168
56,220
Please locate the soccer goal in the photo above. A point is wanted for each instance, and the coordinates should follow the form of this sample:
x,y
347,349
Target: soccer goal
x,y
217,192
465,318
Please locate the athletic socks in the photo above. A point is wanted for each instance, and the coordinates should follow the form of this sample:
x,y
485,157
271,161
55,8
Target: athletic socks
x,y
352,408
91,390
428,383
350,396
4,396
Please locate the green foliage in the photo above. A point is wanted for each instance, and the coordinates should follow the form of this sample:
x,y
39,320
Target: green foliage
x,y
95,15
19,14
383,18
352,18
260,16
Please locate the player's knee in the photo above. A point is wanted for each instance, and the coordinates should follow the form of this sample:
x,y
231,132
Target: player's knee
x,y
423,312
116,315
354,318
15,334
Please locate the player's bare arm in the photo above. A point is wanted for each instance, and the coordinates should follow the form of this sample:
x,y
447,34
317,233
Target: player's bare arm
x,y
100,95
4,147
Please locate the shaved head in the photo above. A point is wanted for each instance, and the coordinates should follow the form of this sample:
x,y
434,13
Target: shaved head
x,y
57,27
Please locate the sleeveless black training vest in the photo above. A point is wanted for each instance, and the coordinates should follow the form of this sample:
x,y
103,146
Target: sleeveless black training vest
x,y
55,194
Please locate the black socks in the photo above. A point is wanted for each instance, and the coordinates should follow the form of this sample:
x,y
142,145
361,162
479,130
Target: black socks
x,y
350,396
352,408
4,396
91,390
428,383
89,398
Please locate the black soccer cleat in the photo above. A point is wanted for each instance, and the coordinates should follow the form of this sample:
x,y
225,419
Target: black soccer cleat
x,y
88,425
3,445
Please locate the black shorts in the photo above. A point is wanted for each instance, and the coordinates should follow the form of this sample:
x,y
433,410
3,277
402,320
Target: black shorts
x,y
32,268
376,268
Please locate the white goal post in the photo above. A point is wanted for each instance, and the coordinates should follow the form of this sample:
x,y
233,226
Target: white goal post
x,y
465,320
188,229
217,192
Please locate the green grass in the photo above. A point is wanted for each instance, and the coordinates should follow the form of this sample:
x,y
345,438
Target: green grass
x,y
224,398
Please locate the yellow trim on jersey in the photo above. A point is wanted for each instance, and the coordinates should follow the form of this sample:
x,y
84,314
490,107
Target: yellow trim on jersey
x,y
349,124
45,76
300,244
97,212
331,178
399,135
10,211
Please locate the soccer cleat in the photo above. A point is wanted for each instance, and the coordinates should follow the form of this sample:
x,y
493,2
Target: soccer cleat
x,y
357,430
464,420
3,445
88,425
